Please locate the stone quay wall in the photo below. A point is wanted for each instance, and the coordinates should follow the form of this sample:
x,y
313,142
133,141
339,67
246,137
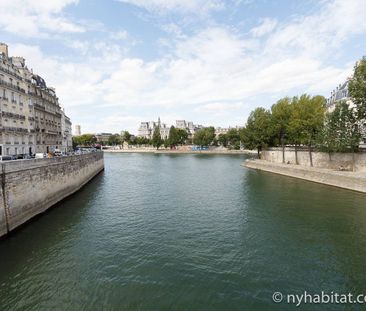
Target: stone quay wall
x,y
346,180
30,187
335,161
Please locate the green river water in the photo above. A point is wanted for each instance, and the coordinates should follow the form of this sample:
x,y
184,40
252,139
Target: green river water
x,y
187,232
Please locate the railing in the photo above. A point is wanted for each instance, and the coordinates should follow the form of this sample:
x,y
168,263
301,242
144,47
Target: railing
x,y
12,86
12,115
14,129
10,73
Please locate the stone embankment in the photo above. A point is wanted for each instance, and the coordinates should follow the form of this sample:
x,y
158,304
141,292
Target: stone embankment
x,y
30,187
343,179
179,151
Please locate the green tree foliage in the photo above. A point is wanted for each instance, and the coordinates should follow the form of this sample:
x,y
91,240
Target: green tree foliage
x,y
157,141
233,139
84,140
258,132
177,136
114,140
341,132
173,137
357,89
126,136
204,136
142,141
182,136
307,119
222,139
281,115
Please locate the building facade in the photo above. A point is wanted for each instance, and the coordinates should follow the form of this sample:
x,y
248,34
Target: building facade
x,y
66,130
340,93
77,130
146,129
189,126
31,116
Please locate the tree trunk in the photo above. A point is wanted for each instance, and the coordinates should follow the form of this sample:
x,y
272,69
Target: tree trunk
x,y
353,160
258,152
296,159
283,152
310,156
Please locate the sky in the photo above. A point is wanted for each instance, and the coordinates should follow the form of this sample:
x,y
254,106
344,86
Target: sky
x,y
115,63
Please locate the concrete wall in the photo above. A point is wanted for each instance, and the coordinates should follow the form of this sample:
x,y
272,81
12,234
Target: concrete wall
x,y
30,187
346,180
320,159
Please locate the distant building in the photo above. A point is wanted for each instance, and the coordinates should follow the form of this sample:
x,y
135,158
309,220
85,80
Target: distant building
x,y
224,130
337,95
146,129
189,126
77,130
66,131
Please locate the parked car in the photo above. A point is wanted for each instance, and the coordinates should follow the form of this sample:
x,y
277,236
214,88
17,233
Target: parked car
x,y
40,155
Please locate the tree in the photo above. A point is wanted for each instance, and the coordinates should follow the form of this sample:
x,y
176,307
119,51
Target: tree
x,y
126,136
157,141
182,136
84,140
114,140
307,119
222,139
233,139
341,132
173,137
357,89
257,133
281,115
204,136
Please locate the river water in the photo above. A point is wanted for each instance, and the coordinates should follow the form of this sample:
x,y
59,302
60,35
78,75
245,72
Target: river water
x,y
187,232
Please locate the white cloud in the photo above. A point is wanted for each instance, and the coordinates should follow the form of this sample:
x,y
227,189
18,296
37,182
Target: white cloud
x,y
211,73
322,33
267,25
187,6
32,18
119,35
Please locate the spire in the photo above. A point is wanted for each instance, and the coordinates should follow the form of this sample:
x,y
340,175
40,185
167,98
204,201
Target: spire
x,y
159,124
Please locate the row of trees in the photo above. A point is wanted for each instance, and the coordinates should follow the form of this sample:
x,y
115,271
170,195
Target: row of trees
x,y
295,121
303,121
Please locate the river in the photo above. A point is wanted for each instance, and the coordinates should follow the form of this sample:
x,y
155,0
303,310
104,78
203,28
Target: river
x,y
187,232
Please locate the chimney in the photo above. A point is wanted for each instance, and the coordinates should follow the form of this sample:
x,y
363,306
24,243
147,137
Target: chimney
x,y
3,49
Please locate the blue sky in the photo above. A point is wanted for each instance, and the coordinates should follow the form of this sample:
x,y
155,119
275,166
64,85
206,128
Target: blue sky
x,y
115,63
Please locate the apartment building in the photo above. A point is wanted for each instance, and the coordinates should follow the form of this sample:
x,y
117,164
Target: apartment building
x,y
31,118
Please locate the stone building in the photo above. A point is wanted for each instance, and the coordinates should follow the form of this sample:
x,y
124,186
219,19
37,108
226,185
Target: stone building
x,y
77,130
31,117
66,130
338,94
189,126
146,129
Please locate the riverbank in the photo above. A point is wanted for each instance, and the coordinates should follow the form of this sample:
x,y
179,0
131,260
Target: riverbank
x,y
177,151
30,187
355,181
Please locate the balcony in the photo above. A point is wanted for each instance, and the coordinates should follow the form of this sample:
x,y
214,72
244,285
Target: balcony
x,y
14,129
12,115
14,74
12,86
